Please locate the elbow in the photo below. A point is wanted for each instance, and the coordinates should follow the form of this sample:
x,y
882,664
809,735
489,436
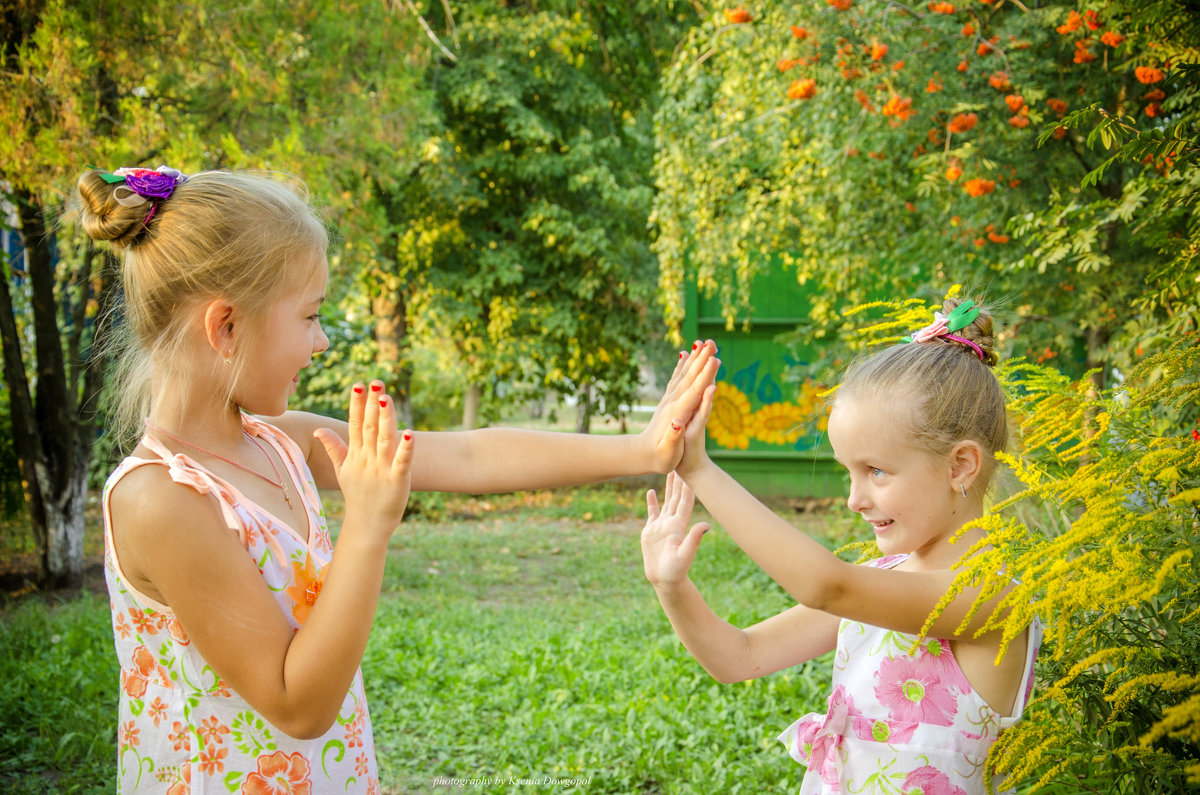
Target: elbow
x,y
305,724
825,592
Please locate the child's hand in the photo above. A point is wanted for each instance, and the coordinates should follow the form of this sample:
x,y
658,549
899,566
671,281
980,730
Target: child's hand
x,y
668,547
373,470
684,396
694,454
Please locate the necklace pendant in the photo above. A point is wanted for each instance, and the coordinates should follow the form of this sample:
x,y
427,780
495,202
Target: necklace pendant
x,y
286,496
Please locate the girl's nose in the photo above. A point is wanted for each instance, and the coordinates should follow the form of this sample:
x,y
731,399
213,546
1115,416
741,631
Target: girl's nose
x,y
856,501
321,343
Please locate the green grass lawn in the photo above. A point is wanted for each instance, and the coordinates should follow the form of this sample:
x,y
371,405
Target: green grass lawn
x,y
517,641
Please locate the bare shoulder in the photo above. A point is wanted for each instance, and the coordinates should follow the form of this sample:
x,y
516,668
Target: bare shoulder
x,y
154,518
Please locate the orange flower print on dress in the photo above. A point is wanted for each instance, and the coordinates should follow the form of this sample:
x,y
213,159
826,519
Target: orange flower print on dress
x,y
143,622
146,668
121,626
180,737
211,731
212,759
279,774
129,735
157,710
183,785
307,588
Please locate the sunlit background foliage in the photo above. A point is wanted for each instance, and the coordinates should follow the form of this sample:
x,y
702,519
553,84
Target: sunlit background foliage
x,y
520,191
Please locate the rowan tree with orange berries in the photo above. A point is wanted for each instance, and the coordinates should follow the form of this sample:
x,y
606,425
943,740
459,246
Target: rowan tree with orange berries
x,y
879,148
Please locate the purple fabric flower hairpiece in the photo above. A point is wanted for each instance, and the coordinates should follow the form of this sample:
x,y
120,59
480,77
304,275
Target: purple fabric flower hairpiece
x,y
146,185
157,184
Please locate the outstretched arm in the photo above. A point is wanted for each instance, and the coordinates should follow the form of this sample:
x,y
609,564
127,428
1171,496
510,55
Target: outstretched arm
x,y
728,654
509,459
814,576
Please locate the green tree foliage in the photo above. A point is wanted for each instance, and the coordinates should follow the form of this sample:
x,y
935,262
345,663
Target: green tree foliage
x,y
884,146
528,214
111,84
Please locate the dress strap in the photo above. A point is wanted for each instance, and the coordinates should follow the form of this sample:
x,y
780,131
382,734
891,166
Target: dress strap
x,y
186,471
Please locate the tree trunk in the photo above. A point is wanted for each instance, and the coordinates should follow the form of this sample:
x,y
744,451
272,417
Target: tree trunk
x,y
390,310
52,453
472,399
583,410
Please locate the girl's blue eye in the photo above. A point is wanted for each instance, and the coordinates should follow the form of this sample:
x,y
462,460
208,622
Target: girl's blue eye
x,y
876,472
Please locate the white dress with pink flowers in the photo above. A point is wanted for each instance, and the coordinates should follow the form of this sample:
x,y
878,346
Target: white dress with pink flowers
x,y
181,729
900,722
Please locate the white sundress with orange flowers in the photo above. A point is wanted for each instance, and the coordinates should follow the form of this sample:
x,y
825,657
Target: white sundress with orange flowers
x,y
181,729
900,722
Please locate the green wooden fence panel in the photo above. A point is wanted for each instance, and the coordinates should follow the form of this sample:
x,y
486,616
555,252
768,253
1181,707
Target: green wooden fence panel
x,y
766,429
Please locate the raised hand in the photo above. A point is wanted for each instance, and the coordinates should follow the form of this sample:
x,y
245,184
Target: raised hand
x,y
694,376
668,546
373,468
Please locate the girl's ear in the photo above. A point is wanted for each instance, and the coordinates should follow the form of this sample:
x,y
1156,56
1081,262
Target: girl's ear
x,y
218,327
966,462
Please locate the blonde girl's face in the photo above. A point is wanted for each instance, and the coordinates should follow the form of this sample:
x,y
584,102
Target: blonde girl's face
x,y
290,336
903,492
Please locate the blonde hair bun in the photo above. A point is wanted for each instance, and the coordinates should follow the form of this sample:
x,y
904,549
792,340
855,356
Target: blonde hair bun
x,y
979,331
105,218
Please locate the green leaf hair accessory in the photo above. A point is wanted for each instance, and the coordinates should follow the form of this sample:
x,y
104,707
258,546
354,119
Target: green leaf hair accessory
x,y
944,326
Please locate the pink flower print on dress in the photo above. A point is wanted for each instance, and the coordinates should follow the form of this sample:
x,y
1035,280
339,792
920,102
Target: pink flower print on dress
x,y
821,742
883,731
929,780
912,691
940,658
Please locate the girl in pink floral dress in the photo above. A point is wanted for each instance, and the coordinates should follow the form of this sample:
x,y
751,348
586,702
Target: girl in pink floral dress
x,y
239,626
917,427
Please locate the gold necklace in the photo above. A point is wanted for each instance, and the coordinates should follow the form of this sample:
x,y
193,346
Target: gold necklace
x,y
278,481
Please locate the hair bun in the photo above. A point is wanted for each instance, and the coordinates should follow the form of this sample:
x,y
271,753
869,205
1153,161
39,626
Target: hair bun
x,y
979,331
105,218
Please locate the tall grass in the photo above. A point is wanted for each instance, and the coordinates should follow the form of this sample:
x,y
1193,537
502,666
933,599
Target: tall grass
x,y
517,641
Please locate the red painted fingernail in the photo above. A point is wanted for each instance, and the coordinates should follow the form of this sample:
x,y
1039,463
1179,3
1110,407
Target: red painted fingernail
x,y
376,387
383,402
407,436
682,354
358,390
695,345
675,426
